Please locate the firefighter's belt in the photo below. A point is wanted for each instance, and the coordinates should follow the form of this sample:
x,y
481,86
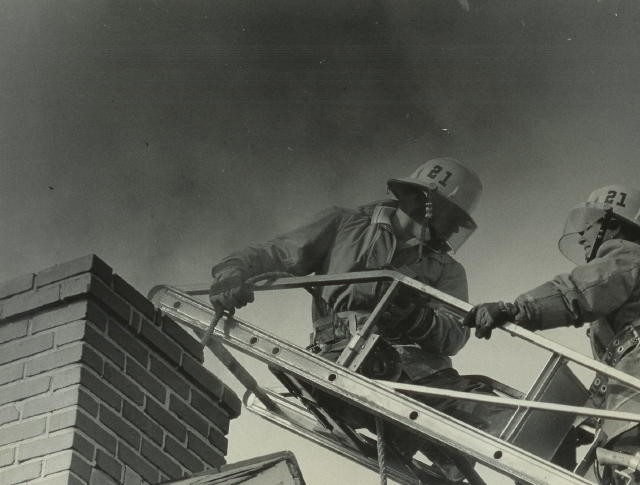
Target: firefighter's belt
x,y
337,327
621,344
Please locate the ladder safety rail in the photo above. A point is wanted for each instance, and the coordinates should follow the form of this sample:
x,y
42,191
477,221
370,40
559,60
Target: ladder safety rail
x,y
462,306
455,303
342,378
375,397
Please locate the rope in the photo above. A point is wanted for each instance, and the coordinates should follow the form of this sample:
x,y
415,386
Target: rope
x,y
271,275
212,326
382,465
274,275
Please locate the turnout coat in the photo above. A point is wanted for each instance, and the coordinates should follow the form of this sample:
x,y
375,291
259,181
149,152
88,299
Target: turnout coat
x,y
605,292
339,240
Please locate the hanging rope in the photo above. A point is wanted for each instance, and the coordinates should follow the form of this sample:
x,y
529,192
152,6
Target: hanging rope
x,y
272,275
382,464
206,337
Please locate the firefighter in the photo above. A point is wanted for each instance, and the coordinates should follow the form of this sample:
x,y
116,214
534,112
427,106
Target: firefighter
x,y
414,234
602,236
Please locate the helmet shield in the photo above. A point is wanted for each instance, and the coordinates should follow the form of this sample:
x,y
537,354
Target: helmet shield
x,y
459,237
580,219
450,223
622,201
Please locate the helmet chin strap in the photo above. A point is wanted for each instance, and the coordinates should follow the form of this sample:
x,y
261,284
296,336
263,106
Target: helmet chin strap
x,y
426,228
606,221
423,235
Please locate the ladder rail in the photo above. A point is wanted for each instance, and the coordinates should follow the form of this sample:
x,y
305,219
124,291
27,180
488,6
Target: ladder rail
x,y
366,393
357,342
462,306
455,303
513,403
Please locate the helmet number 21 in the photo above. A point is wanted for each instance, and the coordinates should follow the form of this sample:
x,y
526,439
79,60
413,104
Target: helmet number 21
x,y
435,171
612,194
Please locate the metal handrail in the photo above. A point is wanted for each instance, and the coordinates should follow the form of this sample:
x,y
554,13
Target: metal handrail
x,y
375,397
511,328
310,281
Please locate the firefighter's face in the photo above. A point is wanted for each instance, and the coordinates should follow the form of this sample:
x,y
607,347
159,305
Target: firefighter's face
x,y
445,219
587,237
412,202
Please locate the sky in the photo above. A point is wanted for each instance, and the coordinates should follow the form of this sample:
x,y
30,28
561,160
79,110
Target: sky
x,y
162,135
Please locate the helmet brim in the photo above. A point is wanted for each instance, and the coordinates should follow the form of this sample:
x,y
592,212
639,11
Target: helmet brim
x,y
466,222
412,182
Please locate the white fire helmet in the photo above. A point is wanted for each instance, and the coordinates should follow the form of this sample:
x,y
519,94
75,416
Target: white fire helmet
x,y
624,203
450,179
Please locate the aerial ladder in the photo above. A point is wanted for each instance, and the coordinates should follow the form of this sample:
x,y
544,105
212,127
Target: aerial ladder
x,y
523,451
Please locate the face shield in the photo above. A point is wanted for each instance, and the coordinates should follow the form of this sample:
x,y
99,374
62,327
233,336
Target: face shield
x,y
582,220
450,223
458,238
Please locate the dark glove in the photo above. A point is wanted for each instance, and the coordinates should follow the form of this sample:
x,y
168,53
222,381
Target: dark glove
x,y
407,318
410,324
229,290
394,320
487,316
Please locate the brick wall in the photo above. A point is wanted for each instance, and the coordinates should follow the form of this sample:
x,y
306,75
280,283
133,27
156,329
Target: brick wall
x,y
97,388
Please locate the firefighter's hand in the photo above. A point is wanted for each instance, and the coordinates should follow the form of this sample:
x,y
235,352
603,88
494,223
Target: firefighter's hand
x,y
229,292
487,316
394,319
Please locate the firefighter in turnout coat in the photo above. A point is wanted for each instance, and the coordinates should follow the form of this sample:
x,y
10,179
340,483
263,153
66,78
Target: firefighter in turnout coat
x,y
413,234
602,236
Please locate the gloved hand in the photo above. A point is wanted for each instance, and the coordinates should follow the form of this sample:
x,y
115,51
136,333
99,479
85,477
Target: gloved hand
x,y
229,290
408,317
487,316
395,319
409,324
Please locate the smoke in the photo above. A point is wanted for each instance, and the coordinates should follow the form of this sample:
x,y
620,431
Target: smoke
x,y
175,128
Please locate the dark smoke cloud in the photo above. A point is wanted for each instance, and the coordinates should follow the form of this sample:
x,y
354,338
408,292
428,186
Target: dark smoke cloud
x,y
199,126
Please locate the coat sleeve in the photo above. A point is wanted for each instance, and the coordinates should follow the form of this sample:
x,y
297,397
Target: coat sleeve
x,y
299,252
591,291
447,335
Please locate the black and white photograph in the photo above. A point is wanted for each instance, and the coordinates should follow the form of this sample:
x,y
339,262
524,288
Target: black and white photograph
x,y
312,242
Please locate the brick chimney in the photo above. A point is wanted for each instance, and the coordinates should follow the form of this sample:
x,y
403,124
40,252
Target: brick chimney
x,y
97,388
